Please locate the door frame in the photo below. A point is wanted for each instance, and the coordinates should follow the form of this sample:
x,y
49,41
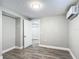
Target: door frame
x,y
23,33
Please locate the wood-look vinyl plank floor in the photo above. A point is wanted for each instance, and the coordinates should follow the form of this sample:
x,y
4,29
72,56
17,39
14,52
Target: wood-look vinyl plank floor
x,y
37,53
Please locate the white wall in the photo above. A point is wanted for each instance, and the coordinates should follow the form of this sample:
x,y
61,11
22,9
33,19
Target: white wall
x,y
0,33
54,31
18,32
74,36
36,29
8,35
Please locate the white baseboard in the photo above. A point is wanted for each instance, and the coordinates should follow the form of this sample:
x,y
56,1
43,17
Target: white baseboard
x,y
1,57
59,48
18,47
11,49
54,47
8,50
73,56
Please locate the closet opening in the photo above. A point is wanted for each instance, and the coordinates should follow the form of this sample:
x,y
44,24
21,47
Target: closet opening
x,y
11,31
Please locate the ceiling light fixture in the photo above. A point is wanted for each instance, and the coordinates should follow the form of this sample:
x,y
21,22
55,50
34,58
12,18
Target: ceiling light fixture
x,y
36,5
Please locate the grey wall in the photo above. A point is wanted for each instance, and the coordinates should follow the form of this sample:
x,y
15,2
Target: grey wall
x,y
74,36
54,31
8,35
18,32
0,32
0,2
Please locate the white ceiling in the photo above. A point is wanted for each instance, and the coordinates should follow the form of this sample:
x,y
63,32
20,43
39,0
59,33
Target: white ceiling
x,y
51,7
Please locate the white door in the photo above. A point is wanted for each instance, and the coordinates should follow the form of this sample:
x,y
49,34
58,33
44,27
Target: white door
x,y
27,33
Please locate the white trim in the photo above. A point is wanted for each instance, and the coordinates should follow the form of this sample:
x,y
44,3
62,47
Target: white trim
x,y
15,47
1,57
18,47
54,47
8,50
60,48
71,53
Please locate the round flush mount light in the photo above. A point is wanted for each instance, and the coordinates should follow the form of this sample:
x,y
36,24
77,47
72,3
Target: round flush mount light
x,y
36,5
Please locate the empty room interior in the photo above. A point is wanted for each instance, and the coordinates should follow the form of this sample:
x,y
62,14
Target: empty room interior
x,y
39,29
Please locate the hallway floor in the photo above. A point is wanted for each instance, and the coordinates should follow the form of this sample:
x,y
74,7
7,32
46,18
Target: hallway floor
x,y
37,53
